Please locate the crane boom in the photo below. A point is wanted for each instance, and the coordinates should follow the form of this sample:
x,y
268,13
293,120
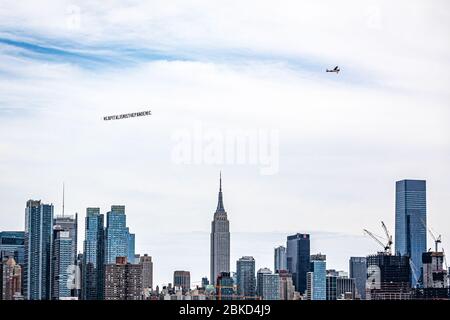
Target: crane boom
x,y
387,247
436,240
374,238
388,236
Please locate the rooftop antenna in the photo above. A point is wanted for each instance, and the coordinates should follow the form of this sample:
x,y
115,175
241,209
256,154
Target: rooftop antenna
x,y
63,202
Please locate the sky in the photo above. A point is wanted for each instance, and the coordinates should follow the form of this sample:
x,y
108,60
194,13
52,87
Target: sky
x,y
329,147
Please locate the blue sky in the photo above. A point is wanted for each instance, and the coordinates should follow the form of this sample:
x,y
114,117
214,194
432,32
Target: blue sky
x,y
343,139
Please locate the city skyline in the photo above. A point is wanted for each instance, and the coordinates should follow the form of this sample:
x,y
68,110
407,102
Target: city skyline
x,y
121,117
343,139
220,208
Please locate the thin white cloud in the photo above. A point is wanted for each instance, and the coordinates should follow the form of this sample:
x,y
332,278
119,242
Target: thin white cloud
x,y
344,140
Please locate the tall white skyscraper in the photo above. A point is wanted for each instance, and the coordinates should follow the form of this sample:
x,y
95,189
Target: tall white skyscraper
x,y
220,239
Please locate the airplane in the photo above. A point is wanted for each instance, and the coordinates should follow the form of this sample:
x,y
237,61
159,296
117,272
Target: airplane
x,y
336,69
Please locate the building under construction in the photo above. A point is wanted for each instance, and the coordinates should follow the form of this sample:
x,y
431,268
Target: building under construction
x,y
435,276
388,277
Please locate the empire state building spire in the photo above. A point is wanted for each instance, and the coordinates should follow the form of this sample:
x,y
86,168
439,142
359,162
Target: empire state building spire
x,y
220,207
220,239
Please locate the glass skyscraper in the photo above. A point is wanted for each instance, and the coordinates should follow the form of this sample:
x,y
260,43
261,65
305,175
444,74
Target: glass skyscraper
x,y
245,278
131,247
93,257
38,249
280,259
117,235
410,223
69,223
358,271
298,259
318,277
61,262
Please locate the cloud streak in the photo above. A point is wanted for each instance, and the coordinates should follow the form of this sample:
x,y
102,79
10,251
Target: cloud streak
x,y
256,65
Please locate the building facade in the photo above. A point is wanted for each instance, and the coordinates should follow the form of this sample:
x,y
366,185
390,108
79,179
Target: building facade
x,y
182,279
62,256
93,255
220,240
147,271
434,273
280,260
358,271
317,278
123,280
410,223
12,244
69,223
245,278
268,285
116,235
38,249
224,287
287,288
131,239
388,277
10,279
298,259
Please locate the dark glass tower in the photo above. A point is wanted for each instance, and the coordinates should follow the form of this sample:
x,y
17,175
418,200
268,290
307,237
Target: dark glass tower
x,y
93,256
38,250
358,271
220,240
245,278
298,259
410,223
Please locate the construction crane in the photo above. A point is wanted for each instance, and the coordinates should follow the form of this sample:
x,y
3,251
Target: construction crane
x,y
436,240
414,269
388,236
387,247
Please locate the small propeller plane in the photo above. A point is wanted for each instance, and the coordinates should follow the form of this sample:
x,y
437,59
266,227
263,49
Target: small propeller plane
x,y
336,69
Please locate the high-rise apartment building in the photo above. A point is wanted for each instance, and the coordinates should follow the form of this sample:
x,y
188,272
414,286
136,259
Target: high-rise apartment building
x,y
62,255
147,271
38,250
123,280
317,278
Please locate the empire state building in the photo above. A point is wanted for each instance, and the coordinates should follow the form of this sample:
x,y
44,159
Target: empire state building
x,y
220,240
